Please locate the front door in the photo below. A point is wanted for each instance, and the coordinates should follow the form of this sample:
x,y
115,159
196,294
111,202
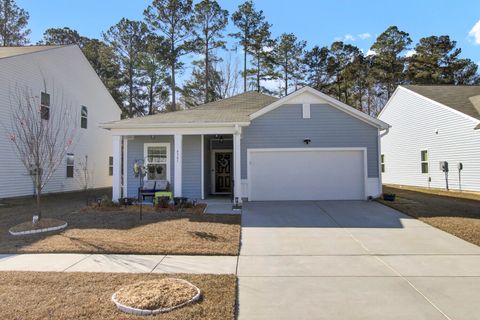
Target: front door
x,y
222,172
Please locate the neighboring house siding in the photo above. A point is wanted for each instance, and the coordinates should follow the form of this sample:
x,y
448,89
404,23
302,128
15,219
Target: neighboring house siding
x,y
328,127
192,167
135,152
67,72
415,121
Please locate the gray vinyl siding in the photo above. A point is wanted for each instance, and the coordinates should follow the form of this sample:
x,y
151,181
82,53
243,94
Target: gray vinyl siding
x,y
192,167
327,127
135,152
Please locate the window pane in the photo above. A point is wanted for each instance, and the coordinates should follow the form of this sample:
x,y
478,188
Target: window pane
x,y
157,172
69,171
45,99
424,167
84,111
70,159
44,113
157,154
382,158
424,155
383,167
83,123
110,161
110,171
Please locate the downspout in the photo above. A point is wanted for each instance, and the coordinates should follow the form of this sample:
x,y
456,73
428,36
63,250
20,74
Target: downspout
x,y
380,136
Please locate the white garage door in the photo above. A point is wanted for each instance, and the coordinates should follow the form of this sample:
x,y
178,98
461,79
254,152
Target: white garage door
x,y
288,174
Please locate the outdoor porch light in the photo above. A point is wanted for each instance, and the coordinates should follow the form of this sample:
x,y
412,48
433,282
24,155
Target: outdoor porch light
x,y
306,140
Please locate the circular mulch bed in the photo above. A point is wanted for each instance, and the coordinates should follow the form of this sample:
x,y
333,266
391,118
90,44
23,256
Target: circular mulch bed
x,y
155,296
43,225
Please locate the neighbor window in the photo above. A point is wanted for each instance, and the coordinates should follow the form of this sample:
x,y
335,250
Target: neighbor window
x,y
382,163
110,166
84,117
157,162
424,160
45,106
70,164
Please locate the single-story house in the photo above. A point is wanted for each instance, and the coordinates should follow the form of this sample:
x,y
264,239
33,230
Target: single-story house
x,y
432,124
55,75
305,146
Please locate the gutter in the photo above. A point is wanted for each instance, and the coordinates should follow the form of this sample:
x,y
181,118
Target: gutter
x,y
108,126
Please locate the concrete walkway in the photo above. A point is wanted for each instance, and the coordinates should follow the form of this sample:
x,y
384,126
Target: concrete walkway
x,y
352,260
119,263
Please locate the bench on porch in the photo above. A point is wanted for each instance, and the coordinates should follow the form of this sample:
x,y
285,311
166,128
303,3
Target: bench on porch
x,y
151,187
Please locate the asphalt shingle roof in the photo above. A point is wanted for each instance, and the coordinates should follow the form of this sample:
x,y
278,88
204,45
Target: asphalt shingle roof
x,y
465,99
233,109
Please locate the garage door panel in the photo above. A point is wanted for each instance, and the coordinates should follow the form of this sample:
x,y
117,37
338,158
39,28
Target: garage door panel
x,y
306,175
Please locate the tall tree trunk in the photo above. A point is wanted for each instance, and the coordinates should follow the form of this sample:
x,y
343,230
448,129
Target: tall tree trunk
x,y
172,86
258,73
286,74
150,99
207,74
245,68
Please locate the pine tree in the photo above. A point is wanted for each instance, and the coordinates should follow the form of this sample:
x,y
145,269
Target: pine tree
x,y
437,61
13,24
316,62
289,59
153,73
263,63
62,36
210,22
248,21
173,20
388,58
127,39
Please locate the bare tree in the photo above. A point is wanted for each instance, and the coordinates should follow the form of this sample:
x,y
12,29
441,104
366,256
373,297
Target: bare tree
x,y
84,176
229,78
41,130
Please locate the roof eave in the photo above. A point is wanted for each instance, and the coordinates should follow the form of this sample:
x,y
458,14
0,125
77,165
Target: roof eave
x,y
110,126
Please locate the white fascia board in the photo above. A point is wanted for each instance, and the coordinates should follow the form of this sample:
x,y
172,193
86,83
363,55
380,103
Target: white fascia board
x,y
171,131
331,101
466,116
119,125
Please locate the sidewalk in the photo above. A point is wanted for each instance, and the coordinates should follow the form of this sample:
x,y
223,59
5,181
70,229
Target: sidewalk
x,y
71,262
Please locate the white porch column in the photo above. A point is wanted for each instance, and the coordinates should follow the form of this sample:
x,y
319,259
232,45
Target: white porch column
x,y
177,153
237,167
117,168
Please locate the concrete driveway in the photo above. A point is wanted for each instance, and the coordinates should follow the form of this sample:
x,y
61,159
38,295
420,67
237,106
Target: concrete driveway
x,y
352,260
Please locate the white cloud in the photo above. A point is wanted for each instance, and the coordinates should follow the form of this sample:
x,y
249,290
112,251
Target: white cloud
x,y
349,37
475,33
410,53
364,36
370,52
352,38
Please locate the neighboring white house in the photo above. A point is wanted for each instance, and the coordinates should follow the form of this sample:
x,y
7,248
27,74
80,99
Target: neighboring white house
x,y
305,146
63,70
431,124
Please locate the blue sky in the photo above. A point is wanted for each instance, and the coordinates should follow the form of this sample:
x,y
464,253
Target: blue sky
x,y
317,22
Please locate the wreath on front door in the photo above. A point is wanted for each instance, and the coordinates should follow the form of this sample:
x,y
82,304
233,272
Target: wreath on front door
x,y
222,162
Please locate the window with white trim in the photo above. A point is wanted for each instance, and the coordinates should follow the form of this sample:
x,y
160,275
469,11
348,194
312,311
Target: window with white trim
x,y
70,165
45,106
157,161
84,117
424,161
382,162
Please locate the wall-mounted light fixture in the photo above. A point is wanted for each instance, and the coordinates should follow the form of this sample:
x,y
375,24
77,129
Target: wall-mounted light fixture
x,y
307,140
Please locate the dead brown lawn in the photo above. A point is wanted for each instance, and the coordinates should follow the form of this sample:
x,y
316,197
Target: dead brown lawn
x,y
81,296
457,213
119,230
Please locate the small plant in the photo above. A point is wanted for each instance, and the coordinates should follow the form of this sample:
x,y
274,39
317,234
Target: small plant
x,y
106,202
163,202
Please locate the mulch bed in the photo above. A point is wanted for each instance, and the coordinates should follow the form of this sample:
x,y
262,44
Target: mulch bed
x,y
119,230
454,213
82,296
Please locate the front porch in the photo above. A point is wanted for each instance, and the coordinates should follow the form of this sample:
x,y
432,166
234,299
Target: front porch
x,y
197,166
